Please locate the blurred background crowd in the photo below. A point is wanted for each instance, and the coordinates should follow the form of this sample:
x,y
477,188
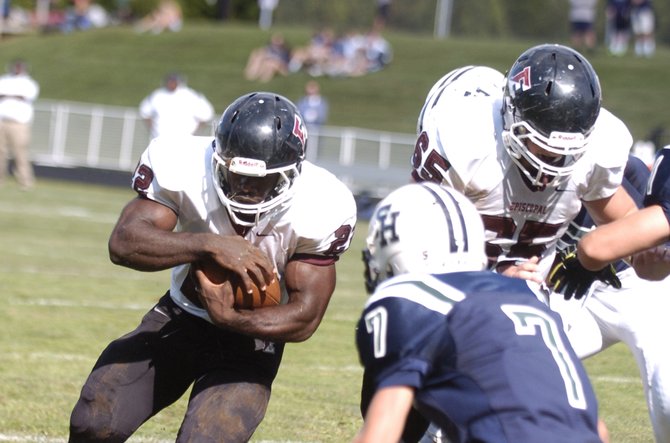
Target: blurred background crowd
x,y
622,22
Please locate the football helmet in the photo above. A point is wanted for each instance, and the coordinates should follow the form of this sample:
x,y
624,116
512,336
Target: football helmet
x,y
423,227
259,147
551,98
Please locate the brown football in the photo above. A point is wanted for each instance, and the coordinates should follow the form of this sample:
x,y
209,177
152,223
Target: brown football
x,y
258,299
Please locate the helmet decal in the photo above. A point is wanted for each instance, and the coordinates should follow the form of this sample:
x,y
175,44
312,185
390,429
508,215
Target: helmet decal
x,y
387,222
247,166
522,79
299,129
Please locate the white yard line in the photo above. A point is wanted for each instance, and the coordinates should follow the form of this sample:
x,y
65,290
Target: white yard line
x,y
614,379
45,356
77,212
81,304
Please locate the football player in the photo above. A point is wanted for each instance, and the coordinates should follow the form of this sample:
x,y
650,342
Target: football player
x,y
529,149
475,352
247,201
635,314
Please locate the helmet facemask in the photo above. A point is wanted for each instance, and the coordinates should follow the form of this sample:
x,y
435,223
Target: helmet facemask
x,y
372,274
248,190
544,171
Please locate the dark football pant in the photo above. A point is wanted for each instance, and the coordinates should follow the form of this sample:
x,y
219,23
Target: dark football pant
x,y
150,368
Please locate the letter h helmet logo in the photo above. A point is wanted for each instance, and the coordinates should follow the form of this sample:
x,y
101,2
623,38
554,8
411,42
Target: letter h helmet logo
x,y
387,225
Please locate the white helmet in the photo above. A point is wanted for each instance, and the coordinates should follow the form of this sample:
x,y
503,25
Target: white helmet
x,y
423,227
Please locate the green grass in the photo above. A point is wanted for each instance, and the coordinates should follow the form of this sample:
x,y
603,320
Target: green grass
x,y
116,66
63,301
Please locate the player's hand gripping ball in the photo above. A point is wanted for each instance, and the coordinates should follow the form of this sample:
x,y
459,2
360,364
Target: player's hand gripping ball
x,y
243,300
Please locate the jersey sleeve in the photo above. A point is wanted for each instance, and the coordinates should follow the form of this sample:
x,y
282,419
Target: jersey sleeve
x,y
601,172
323,215
392,349
658,188
167,165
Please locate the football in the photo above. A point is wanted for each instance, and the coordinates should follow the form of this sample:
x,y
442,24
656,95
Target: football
x,y
258,299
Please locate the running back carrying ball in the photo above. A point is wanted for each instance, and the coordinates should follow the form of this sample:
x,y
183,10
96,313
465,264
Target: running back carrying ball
x,y
257,299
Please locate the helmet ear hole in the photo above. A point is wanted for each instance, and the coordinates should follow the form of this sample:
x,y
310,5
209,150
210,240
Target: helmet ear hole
x,y
234,117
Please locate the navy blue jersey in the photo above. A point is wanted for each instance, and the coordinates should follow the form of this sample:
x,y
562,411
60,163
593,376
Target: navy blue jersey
x,y
658,188
489,362
636,176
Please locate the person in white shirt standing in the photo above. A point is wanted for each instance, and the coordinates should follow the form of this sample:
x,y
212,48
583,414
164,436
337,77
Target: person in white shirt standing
x,y
18,91
175,109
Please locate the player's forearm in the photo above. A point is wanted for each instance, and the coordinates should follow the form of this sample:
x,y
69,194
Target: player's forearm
x,y
155,250
386,416
594,251
290,323
641,230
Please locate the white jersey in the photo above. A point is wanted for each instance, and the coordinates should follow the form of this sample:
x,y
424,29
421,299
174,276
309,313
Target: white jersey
x,y
17,94
177,112
461,120
318,224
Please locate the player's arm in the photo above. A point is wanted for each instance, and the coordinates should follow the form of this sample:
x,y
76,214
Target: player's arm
x,y
386,415
647,228
641,230
605,211
309,289
143,239
149,123
146,112
614,207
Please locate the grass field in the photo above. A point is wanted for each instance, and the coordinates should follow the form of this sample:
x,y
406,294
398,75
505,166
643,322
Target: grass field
x,y
63,301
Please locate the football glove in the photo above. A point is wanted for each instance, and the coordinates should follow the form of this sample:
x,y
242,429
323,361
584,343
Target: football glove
x,y
570,278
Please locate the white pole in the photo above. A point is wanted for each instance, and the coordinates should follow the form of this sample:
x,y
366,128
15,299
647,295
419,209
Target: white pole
x,y
443,18
42,13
